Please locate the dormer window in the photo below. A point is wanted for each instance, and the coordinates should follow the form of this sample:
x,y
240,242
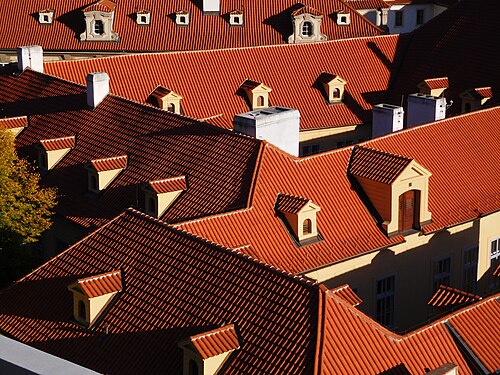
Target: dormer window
x,y
182,18
299,216
99,18
92,295
143,17
475,99
343,18
52,151
165,99
236,18
333,87
397,187
257,94
46,17
306,23
206,353
102,172
14,125
434,86
161,194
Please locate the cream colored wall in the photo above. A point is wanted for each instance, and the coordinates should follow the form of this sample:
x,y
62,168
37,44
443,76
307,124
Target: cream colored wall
x,y
254,95
97,304
488,231
212,365
436,92
77,297
15,131
165,200
307,213
328,138
54,157
106,177
169,99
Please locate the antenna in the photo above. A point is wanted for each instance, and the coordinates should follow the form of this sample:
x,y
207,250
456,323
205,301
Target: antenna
x,y
402,99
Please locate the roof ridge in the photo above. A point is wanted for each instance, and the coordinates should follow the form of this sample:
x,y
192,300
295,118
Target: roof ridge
x,y
111,158
57,139
212,332
210,217
381,152
99,276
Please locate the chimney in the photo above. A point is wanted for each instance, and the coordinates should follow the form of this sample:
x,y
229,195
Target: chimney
x,y
423,109
30,57
211,7
97,88
277,125
387,118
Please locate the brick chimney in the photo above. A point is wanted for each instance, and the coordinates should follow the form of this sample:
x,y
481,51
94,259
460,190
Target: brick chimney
x,y
30,57
97,88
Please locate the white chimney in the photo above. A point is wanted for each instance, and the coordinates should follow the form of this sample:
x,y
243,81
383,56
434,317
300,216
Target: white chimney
x,y
387,118
211,7
424,108
30,57
277,125
97,88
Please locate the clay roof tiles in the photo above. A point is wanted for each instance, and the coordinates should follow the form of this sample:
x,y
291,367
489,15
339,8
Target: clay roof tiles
x,y
58,143
347,294
446,296
496,272
308,10
169,184
101,6
485,92
218,341
14,122
376,165
368,4
291,204
99,285
436,83
109,164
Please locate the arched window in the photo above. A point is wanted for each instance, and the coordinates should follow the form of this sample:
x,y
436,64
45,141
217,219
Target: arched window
x,y
193,367
307,29
237,20
182,19
93,182
151,205
98,27
171,107
307,226
82,310
336,93
260,101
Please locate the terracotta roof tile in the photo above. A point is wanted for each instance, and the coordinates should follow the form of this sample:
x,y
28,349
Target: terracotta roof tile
x,y
436,83
368,4
109,164
347,294
446,296
215,342
101,6
14,122
497,271
266,23
58,143
376,165
306,9
169,184
104,283
481,92
291,204
133,77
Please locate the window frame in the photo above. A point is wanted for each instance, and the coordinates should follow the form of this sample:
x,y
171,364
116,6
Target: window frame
x,y
438,277
97,28
469,275
309,32
398,18
420,17
387,316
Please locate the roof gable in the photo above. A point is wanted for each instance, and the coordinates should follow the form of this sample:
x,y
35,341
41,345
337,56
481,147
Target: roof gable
x,y
101,284
215,342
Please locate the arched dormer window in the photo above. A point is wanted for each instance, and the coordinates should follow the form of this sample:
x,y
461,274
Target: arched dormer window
x,y
193,367
98,27
307,226
171,107
82,310
336,93
260,101
307,29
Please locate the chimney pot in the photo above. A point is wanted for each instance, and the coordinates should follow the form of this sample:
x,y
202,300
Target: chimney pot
x,y
97,88
30,57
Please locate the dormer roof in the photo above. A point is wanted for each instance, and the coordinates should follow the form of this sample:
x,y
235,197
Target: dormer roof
x,y
478,93
101,284
182,11
218,341
290,204
161,92
306,10
329,78
58,143
169,185
109,164
143,11
435,83
250,85
101,6
376,165
236,12
347,294
447,296
48,10
13,123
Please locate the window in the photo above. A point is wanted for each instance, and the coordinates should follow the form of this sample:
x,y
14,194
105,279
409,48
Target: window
x,y
442,273
470,270
42,161
307,226
45,18
237,20
143,19
310,150
82,310
386,290
409,210
98,27
171,107
336,93
182,19
193,367
398,18
495,249
343,19
420,16
260,101
307,29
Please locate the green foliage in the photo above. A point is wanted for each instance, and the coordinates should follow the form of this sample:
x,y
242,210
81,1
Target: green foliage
x,y
25,207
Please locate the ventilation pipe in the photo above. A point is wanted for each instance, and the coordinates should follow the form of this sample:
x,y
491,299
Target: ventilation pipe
x,y
97,88
30,57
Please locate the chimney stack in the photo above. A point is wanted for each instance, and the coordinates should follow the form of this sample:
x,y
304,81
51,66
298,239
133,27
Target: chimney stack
x,y
423,109
387,118
277,125
30,57
211,7
97,88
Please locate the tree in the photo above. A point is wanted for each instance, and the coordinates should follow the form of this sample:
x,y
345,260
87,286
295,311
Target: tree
x,y
25,207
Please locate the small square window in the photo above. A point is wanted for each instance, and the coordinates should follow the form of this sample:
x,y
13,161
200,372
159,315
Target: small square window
x,y
420,16
398,18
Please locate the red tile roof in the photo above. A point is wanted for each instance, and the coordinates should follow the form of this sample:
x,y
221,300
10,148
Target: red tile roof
x,y
134,77
347,294
450,204
58,143
497,271
13,122
159,145
481,92
109,164
306,9
266,22
104,283
291,204
101,6
215,342
436,83
169,185
376,165
367,4
446,296
177,286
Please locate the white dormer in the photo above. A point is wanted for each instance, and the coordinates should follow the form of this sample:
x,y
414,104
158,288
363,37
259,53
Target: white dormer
x,y
207,352
334,87
143,17
306,22
166,99
236,18
91,295
46,17
160,194
52,151
99,20
14,125
102,172
343,18
475,99
300,214
182,18
257,94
